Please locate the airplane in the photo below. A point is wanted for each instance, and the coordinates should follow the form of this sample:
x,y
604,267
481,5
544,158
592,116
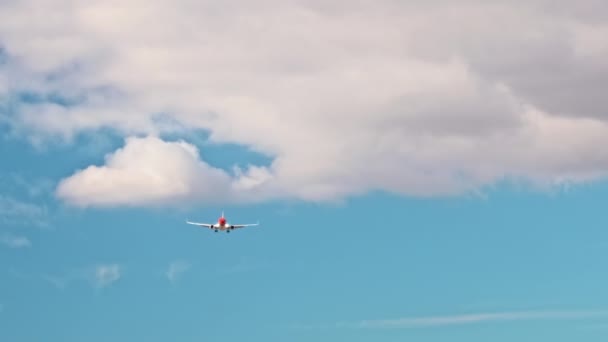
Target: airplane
x,y
222,224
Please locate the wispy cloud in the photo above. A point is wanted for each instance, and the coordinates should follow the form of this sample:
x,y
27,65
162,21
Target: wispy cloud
x,y
58,282
427,321
98,276
246,264
32,187
105,275
13,241
13,211
176,268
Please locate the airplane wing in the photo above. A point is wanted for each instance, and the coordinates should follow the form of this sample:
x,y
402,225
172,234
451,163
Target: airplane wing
x,y
244,225
207,225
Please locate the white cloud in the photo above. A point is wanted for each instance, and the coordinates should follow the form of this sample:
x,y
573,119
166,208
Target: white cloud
x,y
147,171
176,269
346,97
105,275
477,318
14,241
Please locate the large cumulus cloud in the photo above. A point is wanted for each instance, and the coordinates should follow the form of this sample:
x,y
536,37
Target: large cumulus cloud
x,y
422,98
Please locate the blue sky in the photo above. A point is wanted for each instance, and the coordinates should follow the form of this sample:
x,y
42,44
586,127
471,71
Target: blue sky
x,y
416,175
307,269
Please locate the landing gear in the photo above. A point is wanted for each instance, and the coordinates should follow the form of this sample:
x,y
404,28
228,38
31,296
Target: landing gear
x,y
216,230
228,231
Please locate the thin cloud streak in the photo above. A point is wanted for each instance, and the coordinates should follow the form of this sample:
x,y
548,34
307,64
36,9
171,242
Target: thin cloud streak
x,y
176,268
15,212
412,322
97,276
105,275
13,241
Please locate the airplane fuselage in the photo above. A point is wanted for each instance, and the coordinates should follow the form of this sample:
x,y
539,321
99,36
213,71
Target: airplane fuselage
x,y
222,224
